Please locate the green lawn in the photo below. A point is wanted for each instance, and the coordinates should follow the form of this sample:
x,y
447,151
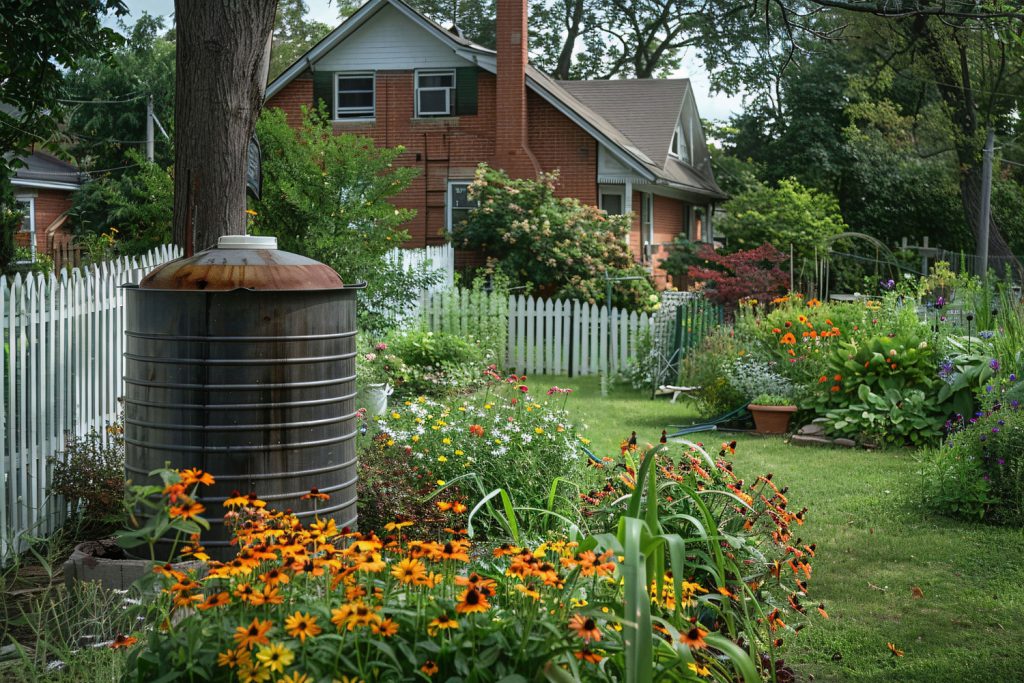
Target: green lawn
x,y
874,546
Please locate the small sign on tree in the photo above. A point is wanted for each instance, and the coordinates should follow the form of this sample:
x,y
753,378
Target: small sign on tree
x,y
254,169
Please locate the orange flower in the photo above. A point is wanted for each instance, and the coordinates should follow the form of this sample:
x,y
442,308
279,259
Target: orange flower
x,y
215,600
443,506
314,494
472,600
232,658
195,476
459,508
123,641
834,388
895,650
788,338
694,638
476,430
837,378
188,511
588,655
386,628
585,627
429,667
254,634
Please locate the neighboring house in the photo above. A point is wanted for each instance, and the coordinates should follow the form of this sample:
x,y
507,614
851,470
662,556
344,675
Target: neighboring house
x,y
393,75
43,186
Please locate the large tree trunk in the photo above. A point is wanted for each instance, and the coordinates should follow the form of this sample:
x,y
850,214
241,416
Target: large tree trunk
x,y
221,46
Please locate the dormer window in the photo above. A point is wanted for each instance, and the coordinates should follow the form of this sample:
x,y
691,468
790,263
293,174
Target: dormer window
x,y
435,92
679,148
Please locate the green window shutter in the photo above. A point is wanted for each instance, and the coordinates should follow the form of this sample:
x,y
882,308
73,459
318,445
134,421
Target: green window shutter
x,y
323,89
465,90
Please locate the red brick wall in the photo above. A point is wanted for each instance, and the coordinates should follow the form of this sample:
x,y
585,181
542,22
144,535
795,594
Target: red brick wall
x,y
668,222
451,147
49,206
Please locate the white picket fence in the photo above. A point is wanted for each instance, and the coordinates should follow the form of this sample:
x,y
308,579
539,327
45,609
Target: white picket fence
x,y
544,336
62,373
547,336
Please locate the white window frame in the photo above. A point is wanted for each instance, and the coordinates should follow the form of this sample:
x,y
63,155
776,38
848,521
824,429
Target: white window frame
x,y
31,202
647,224
620,193
680,142
449,202
449,92
357,113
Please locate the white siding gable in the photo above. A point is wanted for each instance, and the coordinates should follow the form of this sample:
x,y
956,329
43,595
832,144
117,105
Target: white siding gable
x,y
389,41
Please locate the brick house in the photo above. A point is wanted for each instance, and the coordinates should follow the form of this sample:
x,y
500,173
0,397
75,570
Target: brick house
x,y
629,146
43,186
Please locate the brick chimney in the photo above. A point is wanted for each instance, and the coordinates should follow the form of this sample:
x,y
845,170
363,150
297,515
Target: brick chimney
x,y
511,150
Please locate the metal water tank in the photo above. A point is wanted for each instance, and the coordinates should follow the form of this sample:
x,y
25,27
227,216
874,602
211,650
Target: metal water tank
x,y
241,361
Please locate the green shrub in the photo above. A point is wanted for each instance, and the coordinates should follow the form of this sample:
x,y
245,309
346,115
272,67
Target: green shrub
x,y
708,367
979,471
434,363
89,475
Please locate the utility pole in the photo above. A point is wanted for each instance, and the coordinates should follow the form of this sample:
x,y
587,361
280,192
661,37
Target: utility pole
x,y
149,128
986,199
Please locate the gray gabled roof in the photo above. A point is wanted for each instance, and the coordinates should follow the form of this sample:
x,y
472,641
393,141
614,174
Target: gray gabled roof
x,y
627,116
40,169
646,111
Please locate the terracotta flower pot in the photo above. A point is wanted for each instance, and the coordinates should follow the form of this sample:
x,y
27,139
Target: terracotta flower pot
x,y
771,419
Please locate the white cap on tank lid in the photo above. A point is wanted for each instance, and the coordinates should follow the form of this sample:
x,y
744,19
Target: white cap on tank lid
x,y
246,242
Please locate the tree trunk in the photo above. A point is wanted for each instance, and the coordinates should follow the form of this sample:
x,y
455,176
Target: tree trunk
x,y
219,89
573,26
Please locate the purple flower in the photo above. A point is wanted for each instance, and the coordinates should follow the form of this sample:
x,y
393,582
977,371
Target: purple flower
x,y
988,388
983,437
1013,377
994,364
946,368
1001,461
1014,403
995,430
887,284
940,302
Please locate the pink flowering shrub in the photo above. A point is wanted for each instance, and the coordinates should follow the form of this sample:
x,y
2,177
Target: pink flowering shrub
x,y
558,244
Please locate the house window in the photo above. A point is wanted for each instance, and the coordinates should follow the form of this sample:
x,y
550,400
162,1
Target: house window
x,y
611,202
459,203
354,96
435,92
679,147
28,222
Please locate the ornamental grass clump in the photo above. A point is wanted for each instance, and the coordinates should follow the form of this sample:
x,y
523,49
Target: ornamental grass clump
x,y
306,601
722,555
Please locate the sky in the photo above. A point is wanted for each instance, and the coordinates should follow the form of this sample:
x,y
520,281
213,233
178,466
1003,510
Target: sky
x,y
711,106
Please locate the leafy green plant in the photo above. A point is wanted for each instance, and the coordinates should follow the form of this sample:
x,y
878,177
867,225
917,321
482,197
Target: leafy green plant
x,y
894,416
89,475
772,400
708,368
434,363
329,197
157,511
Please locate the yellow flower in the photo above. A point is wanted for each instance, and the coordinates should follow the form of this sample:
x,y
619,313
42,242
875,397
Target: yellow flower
x,y
301,626
698,669
458,452
275,656
294,677
395,416
441,458
446,441
415,438
440,482
442,623
539,430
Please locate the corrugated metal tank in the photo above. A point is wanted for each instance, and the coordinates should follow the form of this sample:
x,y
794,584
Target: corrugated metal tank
x,y
241,361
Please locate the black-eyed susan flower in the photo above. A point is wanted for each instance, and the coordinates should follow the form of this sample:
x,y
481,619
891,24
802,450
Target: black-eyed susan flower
x,y
585,628
235,657
409,570
275,656
694,638
441,623
429,667
123,641
302,626
472,600
254,634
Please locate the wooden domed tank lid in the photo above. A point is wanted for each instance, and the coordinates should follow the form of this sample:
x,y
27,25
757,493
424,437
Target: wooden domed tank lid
x,y
243,262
